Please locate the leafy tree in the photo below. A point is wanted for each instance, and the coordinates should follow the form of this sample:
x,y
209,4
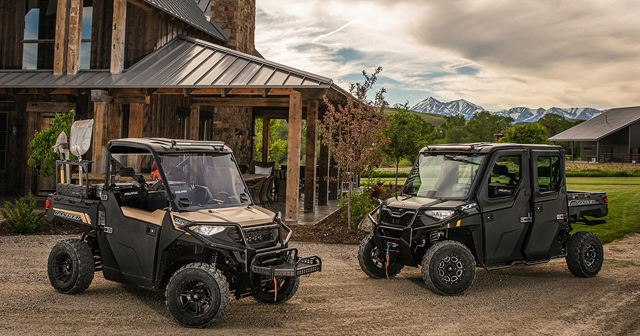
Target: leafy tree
x,y
354,132
408,134
483,126
278,135
554,124
452,130
43,157
526,133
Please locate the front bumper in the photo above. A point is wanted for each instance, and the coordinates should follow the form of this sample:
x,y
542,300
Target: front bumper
x,y
284,263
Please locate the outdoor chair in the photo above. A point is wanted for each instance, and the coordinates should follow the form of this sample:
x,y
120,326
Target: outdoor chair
x,y
280,183
265,190
253,164
254,190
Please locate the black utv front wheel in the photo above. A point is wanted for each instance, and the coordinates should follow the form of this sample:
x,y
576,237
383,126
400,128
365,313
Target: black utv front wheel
x,y
287,288
70,266
448,268
197,295
373,261
584,254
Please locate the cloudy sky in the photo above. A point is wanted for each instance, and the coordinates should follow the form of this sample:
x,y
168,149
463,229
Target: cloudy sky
x,y
495,53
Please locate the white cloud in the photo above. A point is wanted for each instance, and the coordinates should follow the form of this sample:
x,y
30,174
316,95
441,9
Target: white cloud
x,y
497,54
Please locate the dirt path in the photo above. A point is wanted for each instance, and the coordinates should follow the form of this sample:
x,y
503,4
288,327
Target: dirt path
x,y
543,299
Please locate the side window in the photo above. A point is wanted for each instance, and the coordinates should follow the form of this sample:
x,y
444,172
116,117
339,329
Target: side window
x,y
548,173
505,176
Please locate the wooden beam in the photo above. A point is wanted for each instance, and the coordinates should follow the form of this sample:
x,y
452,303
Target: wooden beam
x,y
62,26
136,122
241,101
140,5
100,111
100,96
310,162
63,91
194,123
30,91
265,139
118,36
3,91
293,158
265,92
168,91
243,91
323,176
75,36
129,98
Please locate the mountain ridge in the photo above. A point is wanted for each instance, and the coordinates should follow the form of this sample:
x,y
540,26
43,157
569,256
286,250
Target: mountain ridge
x,y
519,114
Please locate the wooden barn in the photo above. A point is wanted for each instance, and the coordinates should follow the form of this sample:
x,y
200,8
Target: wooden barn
x,y
183,69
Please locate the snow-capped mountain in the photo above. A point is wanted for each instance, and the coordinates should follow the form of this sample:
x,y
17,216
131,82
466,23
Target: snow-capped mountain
x,y
519,114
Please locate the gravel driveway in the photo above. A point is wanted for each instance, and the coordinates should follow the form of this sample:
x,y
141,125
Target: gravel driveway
x,y
542,299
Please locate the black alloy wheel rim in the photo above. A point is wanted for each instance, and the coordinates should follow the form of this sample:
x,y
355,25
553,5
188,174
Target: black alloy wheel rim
x,y
591,255
450,269
63,268
375,257
195,297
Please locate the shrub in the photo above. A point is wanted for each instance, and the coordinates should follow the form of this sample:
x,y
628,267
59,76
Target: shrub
x,y
21,218
43,157
361,205
376,191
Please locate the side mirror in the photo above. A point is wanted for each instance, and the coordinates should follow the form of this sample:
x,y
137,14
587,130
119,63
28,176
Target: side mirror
x,y
127,172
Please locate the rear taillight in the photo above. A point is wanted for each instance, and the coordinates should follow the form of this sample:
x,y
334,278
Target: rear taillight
x,y
606,200
47,204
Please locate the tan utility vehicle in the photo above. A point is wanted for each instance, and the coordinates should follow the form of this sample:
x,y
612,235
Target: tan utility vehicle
x,y
174,215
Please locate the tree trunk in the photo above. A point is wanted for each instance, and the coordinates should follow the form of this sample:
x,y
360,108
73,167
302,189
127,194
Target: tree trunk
x,y
349,200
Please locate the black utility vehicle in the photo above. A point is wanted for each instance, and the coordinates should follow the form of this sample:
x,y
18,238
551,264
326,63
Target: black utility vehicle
x,y
174,215
488,204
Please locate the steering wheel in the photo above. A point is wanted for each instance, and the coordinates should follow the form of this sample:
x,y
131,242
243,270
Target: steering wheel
x,y
220,201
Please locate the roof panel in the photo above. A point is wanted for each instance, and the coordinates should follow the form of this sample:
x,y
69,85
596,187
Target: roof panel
x,y
211,77
247,73
232,72
203,69
183,67
601,125
262,76
278,78
9,77
294,80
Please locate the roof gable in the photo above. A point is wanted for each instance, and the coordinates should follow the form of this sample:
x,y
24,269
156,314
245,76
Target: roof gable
x,y
192,13
601,125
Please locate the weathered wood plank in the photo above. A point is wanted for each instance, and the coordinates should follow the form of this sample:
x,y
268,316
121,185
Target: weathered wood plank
x,y
194,123
242,101
98,142
293,158
75,36
265,139
310,162
118,36
62,26
140,5
136,120
51,107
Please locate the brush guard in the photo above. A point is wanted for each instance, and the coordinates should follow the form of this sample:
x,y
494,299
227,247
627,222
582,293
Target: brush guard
x,y
284,263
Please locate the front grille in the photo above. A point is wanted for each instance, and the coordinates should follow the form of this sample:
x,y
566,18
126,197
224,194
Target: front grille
x,y
256,236
400,221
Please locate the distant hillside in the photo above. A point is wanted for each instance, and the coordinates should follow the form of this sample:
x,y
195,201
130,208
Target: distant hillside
x,y
519,114
435,119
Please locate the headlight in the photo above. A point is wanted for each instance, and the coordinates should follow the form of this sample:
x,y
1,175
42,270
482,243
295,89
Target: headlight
x,y
439,214
207,230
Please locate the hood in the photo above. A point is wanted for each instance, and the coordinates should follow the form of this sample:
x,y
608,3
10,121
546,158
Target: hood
x,y
245,216
413,203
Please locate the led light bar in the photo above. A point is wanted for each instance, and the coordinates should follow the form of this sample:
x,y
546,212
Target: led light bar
x,y
450,147
187,143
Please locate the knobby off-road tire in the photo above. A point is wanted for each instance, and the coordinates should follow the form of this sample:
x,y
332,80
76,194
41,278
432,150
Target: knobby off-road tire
x,y
70,266
373,261
584,254
197,295
448,268
287,288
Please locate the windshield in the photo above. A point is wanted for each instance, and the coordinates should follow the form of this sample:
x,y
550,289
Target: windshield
x,y
442,175
204,180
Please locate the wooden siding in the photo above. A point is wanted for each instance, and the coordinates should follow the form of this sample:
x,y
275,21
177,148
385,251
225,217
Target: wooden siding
x,y
11,33
101,34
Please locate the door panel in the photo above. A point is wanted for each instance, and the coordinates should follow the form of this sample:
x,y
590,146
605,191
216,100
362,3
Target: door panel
x,y
550,216
504,197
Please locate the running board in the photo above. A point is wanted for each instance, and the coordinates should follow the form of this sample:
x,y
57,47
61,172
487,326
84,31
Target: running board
x,y
528,263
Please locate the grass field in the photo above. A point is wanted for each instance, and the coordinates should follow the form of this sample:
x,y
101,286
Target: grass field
x,y
624,213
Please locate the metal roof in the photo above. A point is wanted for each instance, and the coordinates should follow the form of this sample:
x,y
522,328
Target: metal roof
x,y
600,126
190,12
184,62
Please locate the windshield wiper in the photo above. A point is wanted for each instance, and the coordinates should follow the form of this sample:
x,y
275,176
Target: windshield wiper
x,y
453,158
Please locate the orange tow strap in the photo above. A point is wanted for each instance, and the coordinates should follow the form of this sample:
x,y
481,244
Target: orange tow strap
x,y
386,266
275,288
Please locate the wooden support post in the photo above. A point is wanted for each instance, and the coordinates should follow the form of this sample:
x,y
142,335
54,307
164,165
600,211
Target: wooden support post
x,y
265,139
194,123
75,36
118,36
310,162
323,192
100,111
136,116
62,29
293,158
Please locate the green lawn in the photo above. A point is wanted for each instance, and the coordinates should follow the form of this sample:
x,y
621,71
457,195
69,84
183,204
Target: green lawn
x,y
624,213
